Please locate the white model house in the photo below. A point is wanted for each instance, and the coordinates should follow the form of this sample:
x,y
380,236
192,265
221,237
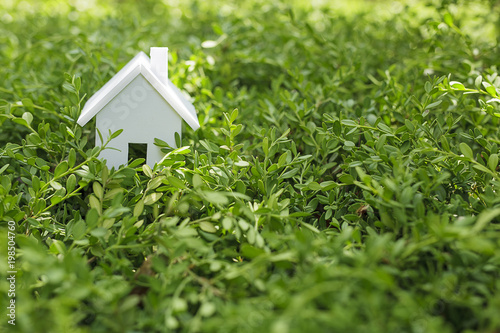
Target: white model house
x,y
141,100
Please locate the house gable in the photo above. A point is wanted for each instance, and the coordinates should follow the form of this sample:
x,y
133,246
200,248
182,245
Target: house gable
x,y
140,111
139,65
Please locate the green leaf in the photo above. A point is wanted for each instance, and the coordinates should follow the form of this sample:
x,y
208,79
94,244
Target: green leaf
x,y
208,44
434,104
71,183
457,85
491,90
428,87
282,160
227,223
35,182
28,117
234,115
95,203
349,122
147,170
152,198
67,86
445,144
314,186
481,167
466,151
492,162
98,190
104,174
92,218
328,185
207,309
197,181
78,82
207,227
478,82
484,218
79,229
178,141
381,142
181,151
289,174
160,143
174,181
349,144
57,247
70,132
34,139
384,128
55,199
2,169
60,169
139,208
28,103
55,185
115,134
216,198
155,183
242,164
265,146
71,158
99,232
448,19
347,179
113,193
20,121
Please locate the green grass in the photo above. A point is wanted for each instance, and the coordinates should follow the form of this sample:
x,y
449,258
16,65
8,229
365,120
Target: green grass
x,y
345,177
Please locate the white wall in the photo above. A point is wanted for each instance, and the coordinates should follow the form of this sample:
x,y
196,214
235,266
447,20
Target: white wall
x,y
143,115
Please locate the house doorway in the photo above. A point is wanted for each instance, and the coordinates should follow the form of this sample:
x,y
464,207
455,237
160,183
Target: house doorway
x,y
137,150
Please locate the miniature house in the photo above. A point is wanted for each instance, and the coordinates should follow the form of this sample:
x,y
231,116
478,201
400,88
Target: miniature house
x,y
141,100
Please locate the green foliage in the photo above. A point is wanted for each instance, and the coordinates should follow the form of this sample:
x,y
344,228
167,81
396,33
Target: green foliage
x,y
345,177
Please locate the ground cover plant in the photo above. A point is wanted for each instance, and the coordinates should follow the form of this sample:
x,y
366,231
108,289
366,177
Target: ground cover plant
x,y
345,177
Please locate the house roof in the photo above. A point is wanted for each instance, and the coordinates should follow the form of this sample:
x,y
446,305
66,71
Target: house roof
x,y
140,64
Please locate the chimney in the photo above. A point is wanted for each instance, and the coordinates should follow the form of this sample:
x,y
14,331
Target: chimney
x,y
159,63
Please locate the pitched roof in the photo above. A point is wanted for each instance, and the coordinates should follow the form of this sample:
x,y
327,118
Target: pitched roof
x,y
140,64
